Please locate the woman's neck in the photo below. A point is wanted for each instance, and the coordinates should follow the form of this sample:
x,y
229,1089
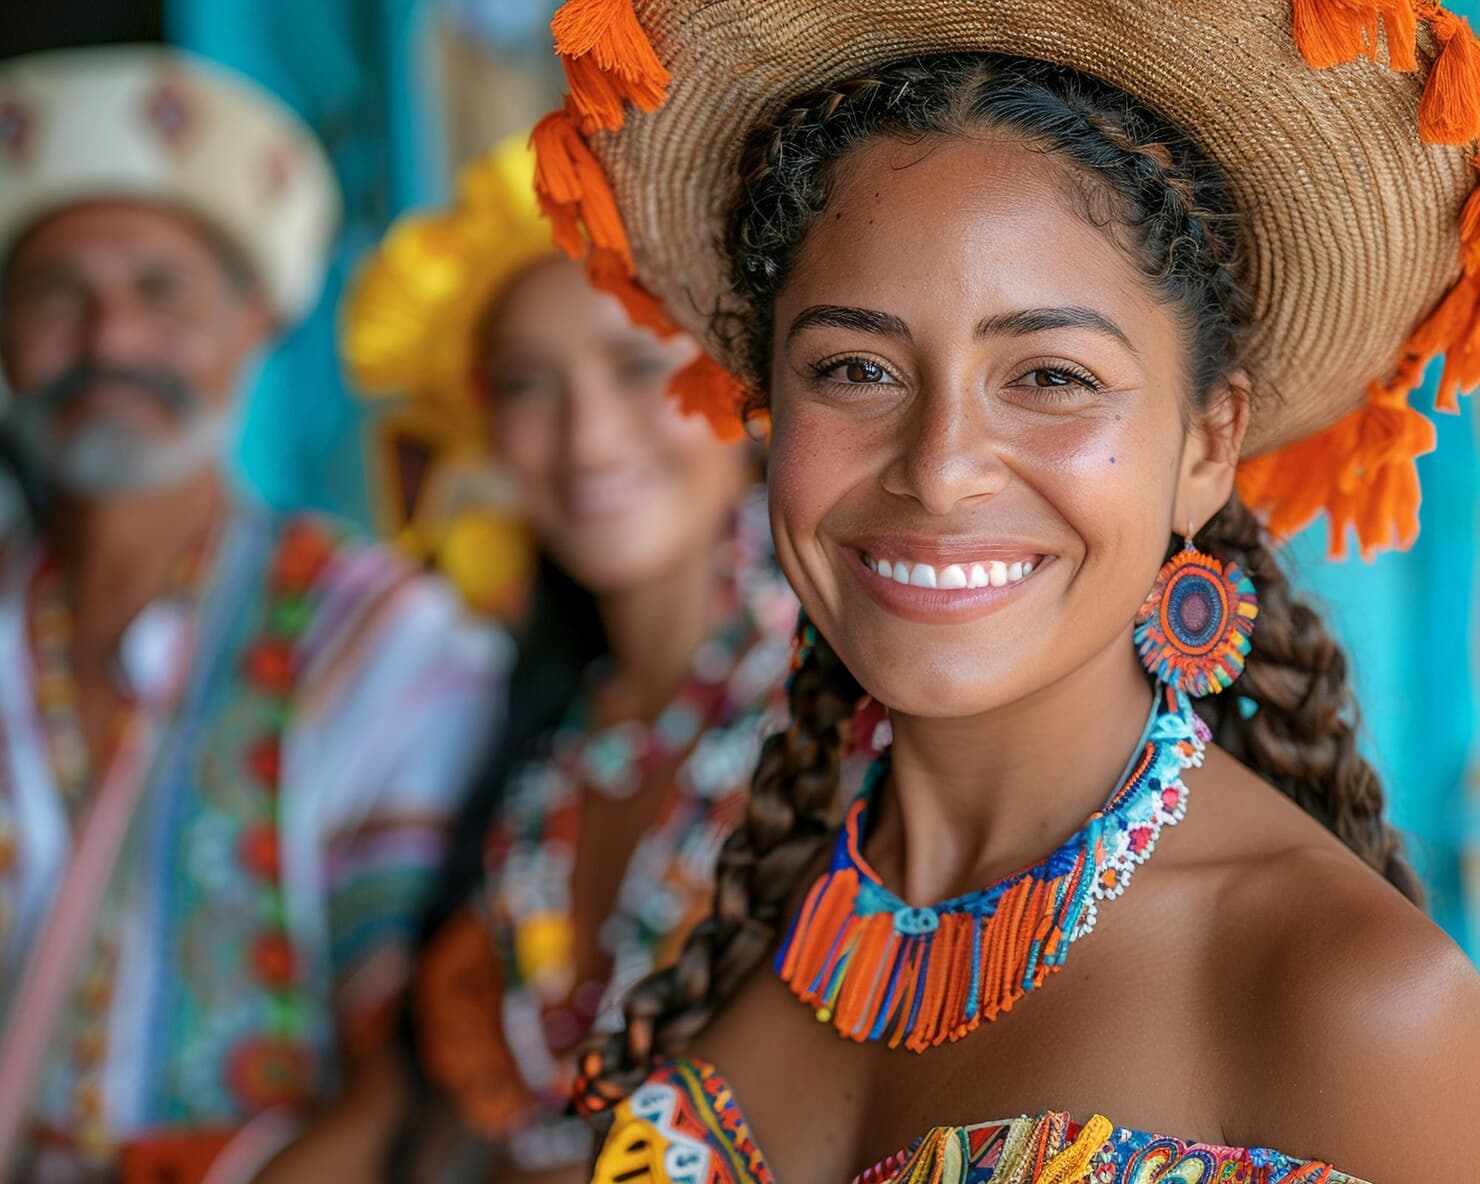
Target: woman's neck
x,y
972,800
653,631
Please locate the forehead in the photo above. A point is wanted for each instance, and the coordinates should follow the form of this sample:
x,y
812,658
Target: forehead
x,y
103,236
964,226
550,301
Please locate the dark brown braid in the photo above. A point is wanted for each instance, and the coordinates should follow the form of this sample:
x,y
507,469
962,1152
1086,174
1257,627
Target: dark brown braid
x,y
789,822
1302,735
1169,208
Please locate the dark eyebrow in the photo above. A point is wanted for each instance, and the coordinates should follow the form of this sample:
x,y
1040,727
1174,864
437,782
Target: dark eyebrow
x,y
1039,320
837,316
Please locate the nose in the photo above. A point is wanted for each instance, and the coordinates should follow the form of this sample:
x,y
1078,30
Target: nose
x,y
947,452
115,330
595,423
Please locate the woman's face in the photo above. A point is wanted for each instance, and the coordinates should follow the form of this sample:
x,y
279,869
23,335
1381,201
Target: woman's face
x,y
617,485
979,447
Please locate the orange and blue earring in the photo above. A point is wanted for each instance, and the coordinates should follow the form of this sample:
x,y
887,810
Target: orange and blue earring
x,y
1193,630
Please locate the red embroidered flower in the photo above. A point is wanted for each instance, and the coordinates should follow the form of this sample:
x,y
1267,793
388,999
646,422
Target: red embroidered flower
x,y
269,665
266,1071
169,110
1140,838
259,852
273,959
265,760
1169,798
279,164
305,548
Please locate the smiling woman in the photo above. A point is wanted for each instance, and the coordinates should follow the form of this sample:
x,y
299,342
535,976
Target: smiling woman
x,y
1015,331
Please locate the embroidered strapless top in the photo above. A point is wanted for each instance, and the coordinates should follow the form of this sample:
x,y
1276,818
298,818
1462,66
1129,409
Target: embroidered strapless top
x,y
684,1126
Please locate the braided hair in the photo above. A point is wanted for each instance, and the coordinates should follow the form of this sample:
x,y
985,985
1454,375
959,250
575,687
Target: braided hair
x,y
1170,209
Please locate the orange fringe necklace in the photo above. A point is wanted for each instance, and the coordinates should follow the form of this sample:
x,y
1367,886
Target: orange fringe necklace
x,y
878,969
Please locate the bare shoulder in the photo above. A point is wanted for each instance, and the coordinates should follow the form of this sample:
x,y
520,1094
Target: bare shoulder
x,y
1356,1020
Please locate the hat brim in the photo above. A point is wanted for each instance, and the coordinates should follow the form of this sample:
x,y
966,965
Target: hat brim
x,y
1351,220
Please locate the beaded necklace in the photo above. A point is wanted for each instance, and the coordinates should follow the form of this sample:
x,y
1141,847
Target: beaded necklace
x,y
878,969
269,1063
705,744
75,772
616,761
51,630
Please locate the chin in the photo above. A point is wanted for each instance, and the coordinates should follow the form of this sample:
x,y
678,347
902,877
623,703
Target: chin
x,y
932,689
609,571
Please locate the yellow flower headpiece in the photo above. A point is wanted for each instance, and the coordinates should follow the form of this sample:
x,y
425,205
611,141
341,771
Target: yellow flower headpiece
x,y
410,330
411,320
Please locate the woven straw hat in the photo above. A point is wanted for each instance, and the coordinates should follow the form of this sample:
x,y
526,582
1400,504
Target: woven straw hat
x,y
1343,128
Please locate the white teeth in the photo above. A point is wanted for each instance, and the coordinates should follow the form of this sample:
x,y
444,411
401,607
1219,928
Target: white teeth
x,y
993,573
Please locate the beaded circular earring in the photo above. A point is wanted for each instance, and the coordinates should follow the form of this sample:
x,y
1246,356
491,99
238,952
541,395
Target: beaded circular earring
x,y
1193,629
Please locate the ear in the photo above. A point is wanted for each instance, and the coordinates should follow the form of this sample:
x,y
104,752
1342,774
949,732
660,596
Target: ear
x,y
1215,438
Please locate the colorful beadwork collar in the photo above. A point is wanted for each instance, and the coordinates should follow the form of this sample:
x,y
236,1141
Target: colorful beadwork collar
x,y
878,969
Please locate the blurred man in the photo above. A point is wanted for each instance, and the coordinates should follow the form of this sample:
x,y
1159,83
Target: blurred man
x,y
228,740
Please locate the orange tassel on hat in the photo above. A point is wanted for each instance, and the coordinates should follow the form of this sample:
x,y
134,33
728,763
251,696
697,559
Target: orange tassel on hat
x,y
608,60
1367,477
1450,110
610,273
573,191
1330,32
1400,28
1362,470
706,388
1452,329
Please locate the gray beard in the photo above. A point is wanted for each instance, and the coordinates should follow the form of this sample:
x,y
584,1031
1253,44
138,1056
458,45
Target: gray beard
x,y
102,459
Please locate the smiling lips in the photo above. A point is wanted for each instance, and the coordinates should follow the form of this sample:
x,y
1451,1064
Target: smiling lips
x,y
994,573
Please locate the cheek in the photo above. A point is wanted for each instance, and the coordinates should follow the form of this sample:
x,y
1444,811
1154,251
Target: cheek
x,y
38,352
682,451
816,459
525,442
1113,483
208,353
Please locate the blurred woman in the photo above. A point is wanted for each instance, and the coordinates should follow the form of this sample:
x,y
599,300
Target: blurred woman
x,y
653,650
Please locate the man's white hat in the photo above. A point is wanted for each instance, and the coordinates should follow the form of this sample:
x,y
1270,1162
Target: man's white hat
x,y
156,124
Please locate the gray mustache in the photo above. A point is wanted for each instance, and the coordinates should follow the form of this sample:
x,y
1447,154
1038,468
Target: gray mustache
x,y
168,391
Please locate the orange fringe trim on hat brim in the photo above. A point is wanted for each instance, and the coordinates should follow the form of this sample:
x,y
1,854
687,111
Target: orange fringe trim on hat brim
x,y
608,60
575,195
1362,471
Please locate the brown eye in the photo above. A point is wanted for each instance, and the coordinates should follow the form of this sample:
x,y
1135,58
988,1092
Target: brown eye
x,y
853,372
1059,379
